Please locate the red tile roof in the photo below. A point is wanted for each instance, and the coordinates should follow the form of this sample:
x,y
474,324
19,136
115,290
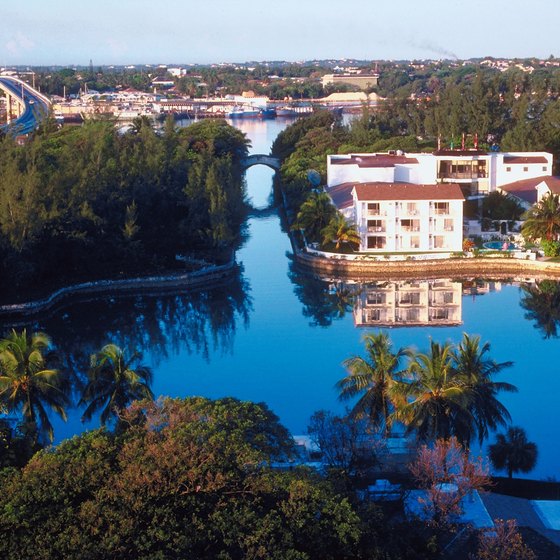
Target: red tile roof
x,y
341,195
526,188
408,191
517,160
374,160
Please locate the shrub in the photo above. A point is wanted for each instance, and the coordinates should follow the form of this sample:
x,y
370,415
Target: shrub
x,y
550,248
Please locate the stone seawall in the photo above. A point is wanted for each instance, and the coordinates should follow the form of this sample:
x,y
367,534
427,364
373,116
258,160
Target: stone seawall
x,y
201,278
449,268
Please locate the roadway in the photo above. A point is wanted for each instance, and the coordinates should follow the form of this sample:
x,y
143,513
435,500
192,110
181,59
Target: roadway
x,y
37,106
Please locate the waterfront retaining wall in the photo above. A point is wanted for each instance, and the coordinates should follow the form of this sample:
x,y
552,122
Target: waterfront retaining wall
x,y
486,267
186,280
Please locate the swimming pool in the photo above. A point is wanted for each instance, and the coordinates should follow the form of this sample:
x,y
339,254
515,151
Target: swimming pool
x,y
499,246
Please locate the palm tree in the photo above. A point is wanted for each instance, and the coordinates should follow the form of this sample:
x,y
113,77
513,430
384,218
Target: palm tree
x,y
542,221
477,369
28,383
513,452
542,304
113,383
340,232
314,215
373,379
435,402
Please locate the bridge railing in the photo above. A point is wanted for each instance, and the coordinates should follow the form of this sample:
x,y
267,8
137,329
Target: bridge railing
x,y
36,93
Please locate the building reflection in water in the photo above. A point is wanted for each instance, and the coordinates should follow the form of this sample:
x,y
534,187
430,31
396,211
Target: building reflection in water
x,y
409,303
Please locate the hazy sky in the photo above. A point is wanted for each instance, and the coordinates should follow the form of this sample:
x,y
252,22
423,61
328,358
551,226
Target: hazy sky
x,y
173,31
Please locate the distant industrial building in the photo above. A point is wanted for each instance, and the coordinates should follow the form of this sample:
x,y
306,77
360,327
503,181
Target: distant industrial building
x,y
363,81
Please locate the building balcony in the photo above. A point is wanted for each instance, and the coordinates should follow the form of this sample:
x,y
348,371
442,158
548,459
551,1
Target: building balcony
x,y
375,229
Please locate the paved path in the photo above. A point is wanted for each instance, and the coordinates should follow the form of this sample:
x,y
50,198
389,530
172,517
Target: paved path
x,y
508,507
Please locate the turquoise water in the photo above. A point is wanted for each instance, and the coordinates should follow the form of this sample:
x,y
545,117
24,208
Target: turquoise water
x,y
277,336
499,246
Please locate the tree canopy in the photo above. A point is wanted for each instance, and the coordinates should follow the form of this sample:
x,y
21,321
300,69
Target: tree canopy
x,y
88,201
180,478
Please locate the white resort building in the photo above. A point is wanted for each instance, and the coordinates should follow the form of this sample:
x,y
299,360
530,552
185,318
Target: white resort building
x,y
414,202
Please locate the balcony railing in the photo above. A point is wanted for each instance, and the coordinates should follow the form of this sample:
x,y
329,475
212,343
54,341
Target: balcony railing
x,y
375,229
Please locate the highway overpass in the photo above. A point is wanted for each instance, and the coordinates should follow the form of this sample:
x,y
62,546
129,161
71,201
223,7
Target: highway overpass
x,y
25,103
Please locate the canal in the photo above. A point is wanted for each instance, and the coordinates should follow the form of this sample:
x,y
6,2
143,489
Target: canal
x,y
279,337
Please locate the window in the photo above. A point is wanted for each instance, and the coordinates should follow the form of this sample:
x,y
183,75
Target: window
x,y
414,242
525,169
376,242
448,297
448,224
442,313
375,298
508,169
544,168
375,315
439,242
412,315
441,207
410,298
462,169
373,208
410,225
375,225
411,208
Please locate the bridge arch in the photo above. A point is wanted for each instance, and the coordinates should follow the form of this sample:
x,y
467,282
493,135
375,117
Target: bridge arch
x,y
260,159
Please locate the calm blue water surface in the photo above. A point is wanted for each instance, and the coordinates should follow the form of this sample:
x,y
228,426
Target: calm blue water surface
x,y
279,337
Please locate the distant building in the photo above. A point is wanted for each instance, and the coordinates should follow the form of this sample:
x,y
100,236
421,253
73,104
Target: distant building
x,y
477,171
363,81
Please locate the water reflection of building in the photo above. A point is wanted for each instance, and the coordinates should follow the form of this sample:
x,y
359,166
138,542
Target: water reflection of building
x,y
481,287
409,303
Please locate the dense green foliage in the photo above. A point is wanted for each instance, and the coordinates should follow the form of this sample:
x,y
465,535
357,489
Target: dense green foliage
x,y
542,221
87,201
30,383
500,206
114,381
181,479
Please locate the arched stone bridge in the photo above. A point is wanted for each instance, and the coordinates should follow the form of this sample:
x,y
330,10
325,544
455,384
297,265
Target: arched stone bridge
x,y
261,159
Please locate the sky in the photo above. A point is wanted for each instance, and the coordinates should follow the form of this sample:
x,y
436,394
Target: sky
x,y
69,32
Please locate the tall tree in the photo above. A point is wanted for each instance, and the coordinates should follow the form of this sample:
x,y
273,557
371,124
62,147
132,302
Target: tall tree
x,y
114,383
314,215
28,382
474,364
373,379
542,221
513,452
341,233
436,400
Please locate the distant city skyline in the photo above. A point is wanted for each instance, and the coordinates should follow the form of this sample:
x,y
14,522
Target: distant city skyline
x,y
60,32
